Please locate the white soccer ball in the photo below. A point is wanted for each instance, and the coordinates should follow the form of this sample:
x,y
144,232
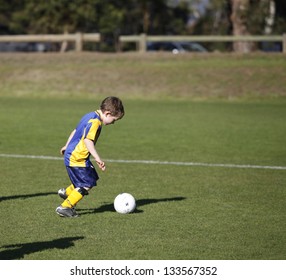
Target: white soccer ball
x,y
124,203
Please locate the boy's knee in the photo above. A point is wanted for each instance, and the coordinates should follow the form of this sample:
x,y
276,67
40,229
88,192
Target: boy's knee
x,y
82,191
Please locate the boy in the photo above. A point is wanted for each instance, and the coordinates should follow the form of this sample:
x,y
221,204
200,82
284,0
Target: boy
x,y
80,145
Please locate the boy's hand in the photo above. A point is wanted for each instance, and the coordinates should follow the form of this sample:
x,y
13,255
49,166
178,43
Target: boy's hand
x,y
101,165
63,149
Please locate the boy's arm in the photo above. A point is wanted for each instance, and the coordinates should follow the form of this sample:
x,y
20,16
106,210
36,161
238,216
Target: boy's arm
x,y
90,147
69,139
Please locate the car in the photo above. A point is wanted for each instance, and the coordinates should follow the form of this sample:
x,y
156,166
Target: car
x,y
271,47
176,47
25,47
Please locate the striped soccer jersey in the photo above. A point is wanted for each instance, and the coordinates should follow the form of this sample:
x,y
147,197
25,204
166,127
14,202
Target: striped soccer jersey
x,y
76,154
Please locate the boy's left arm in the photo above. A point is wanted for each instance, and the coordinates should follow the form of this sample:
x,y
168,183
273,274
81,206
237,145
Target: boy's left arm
x,y
63,149
90,147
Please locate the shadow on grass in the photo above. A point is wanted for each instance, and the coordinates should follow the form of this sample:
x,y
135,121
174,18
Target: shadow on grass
x,y
140,202
24,196
17,251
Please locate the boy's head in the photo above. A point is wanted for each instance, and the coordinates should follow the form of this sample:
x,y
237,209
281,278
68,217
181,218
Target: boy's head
x,y
112,106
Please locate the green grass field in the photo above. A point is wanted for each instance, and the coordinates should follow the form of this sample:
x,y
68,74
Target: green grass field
x,y
183,211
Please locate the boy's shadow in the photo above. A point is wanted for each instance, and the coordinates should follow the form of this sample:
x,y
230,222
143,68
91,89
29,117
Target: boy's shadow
x,y
108,207
17,251
25,196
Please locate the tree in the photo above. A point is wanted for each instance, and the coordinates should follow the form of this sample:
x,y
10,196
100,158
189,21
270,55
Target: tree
x,y
242,18
112,18
7,9
239,9
54,16
255,17
279,25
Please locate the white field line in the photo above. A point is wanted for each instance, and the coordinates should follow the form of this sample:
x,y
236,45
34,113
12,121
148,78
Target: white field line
x,y
247,166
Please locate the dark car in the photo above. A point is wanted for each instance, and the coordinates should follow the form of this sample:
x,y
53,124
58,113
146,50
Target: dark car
x,y
24,47
176,47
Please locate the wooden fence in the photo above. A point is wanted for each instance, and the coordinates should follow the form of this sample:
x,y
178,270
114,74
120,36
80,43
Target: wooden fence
x,y
143,39
77,38
140,40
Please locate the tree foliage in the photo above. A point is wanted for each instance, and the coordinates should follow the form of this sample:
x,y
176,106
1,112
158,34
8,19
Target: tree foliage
x,y
54,16
112,18
242,17
57,16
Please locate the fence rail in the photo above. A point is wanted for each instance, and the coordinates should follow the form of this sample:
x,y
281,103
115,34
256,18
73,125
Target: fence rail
x,y
140,40
77,38
143,39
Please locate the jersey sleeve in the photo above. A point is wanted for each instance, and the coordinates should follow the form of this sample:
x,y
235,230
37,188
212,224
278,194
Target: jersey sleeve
x,y
92,130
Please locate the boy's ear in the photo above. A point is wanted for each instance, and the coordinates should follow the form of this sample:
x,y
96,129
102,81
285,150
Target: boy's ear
x,y
106,113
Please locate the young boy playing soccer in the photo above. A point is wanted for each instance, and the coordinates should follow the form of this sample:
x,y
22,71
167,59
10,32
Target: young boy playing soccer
x,y
78,149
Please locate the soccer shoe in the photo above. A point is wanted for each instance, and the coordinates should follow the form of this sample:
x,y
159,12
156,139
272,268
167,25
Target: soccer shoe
x,y
66,212
62,193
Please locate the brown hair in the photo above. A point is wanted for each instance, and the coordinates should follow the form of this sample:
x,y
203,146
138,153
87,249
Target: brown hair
x,y
113,105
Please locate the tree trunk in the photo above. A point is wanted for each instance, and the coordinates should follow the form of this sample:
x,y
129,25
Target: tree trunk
x,y
270,18
239,24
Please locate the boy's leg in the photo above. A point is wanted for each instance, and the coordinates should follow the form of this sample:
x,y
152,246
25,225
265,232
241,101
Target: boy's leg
x,y
69,189
66,209
79,176
75,196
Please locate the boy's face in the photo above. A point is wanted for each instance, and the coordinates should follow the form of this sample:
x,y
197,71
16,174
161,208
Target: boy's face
x,y
107,118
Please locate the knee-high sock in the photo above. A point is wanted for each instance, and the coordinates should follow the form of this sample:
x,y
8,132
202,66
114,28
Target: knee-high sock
x,y
69,189
72,199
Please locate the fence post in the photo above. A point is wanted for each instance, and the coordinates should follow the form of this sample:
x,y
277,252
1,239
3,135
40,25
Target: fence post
x,y
142,43
64,44
78,42
284,43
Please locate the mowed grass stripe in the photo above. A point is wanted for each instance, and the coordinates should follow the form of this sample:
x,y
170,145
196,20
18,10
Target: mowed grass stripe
x,y
228,165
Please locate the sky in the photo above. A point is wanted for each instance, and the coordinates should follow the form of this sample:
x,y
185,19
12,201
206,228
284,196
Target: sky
x,y
199,8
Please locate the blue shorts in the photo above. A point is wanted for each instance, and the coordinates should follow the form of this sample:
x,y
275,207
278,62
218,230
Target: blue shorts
x,y
83,176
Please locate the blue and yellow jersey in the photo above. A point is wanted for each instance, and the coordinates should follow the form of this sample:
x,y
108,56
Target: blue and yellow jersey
x,y
76,154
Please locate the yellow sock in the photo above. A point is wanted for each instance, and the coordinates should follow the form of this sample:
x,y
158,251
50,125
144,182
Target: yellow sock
x,y
69,189
72,199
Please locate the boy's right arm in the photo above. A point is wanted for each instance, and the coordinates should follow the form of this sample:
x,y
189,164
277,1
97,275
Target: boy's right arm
x,y
90,147
62,151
